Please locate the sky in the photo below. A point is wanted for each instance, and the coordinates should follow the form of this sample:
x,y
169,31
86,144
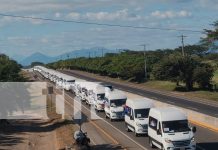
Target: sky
x,y
23,37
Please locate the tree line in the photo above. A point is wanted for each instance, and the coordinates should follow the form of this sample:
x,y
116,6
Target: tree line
x,y
195,68
9,70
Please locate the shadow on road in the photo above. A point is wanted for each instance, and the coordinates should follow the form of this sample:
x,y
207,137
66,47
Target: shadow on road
x,y
208,145
106,147
8,139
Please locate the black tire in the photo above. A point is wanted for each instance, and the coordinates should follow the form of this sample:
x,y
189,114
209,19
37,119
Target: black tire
x,y
106,116
150,143
127,129
136,134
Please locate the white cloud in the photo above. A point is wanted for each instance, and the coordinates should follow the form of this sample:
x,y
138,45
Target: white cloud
x,y
74,15
170,14
108,16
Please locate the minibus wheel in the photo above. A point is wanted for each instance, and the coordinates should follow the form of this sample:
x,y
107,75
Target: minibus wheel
x,y
136,134
150,142
127,129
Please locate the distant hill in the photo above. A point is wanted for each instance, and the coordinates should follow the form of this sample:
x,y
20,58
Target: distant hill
x,y
39,57
36,57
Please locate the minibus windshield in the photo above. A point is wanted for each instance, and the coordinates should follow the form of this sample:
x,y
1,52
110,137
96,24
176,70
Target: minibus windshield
x,y
175,126
101,96
141,113
118,102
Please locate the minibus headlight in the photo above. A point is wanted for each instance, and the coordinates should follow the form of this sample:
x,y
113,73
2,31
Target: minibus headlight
x,y
168,140
138,124
192,139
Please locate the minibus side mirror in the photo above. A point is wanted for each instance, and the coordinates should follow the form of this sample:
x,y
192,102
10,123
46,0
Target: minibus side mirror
x,y
194,129
158,132
131,117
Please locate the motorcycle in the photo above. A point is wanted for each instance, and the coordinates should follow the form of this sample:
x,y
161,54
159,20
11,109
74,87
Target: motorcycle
x,y
81,138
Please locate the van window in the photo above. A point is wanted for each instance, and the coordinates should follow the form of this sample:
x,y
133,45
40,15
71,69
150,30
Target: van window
x,y
153,123
141,113
118,102
175,126
101,96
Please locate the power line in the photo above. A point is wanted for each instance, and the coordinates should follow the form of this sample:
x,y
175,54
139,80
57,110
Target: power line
x,y
99,24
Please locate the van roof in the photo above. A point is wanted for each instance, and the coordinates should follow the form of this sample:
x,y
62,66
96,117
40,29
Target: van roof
x,y
99,89
114,94
168,113
140,103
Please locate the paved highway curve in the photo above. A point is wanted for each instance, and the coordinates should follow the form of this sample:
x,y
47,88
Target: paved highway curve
x,y
206,139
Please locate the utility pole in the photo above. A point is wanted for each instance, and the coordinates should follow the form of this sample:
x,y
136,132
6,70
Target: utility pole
x,y
144,45
102,52
182,38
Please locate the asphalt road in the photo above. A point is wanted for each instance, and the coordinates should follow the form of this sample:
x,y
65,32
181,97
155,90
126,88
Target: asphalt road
x,y
205,138
115,131
208,109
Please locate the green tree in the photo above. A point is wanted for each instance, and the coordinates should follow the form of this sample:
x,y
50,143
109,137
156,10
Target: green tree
x,y
186,69
211,36
203,75
9,70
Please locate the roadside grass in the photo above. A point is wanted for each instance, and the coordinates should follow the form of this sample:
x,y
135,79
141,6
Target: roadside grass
x,y
171,87
163,85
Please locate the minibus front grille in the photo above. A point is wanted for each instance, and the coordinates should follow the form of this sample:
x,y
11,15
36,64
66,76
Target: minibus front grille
x,y
181,143
144,126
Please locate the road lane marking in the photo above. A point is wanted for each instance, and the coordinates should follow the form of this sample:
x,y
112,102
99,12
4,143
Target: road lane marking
x,y
105,133
114,127
94,124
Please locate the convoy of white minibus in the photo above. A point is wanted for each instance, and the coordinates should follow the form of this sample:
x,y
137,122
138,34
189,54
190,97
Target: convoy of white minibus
x,y
136,115
169,129
114,104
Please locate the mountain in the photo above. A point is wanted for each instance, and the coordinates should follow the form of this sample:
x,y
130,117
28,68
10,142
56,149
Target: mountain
x,y
39,57
36,57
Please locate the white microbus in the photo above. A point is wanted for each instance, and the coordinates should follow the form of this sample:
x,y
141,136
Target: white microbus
x,y
99,97
114,104
136,115
68,82
169,129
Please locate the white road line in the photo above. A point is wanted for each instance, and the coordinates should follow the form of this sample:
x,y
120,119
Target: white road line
x,y
114,128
